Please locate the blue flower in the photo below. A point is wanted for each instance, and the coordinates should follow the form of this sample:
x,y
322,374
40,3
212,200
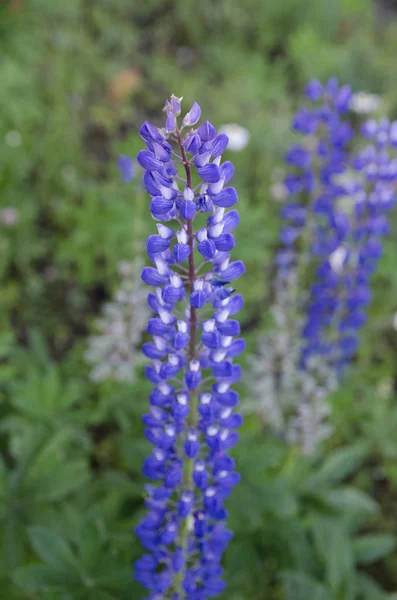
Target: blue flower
x,y
126,167
192,421
341,223
331,242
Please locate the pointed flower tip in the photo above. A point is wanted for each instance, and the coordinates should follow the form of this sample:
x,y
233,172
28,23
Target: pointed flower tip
x,y
173,105
193,116
176,104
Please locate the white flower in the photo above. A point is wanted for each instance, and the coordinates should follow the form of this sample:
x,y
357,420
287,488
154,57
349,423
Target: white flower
x,y
278,191
238,136
364,102
337,259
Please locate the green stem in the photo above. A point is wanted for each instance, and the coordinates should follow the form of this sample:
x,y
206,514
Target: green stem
x,y
187,481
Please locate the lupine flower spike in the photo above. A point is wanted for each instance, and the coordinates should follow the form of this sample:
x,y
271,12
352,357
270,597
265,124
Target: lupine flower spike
x,y
192,421
350,215
315,227
335,218
114,351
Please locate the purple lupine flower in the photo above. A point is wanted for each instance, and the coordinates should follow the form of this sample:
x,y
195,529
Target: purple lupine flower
x,y
317,228
371,192
335,220
317,222
348,247
192,421
126,168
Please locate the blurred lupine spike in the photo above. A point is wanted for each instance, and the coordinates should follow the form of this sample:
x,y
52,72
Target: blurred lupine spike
x,y
114,351
191,422
335,218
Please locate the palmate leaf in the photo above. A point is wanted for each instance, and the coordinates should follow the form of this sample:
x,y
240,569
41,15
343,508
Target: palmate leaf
x,y
55,470
63,571
43,474
42,394
86,556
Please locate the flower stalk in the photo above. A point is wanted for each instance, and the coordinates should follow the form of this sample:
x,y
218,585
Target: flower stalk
x,y
192,423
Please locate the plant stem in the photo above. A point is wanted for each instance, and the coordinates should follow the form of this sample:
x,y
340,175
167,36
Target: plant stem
x,y
191,420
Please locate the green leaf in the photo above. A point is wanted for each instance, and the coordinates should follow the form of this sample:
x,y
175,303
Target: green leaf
x,y
334,547
277,498
56,470
351,499
340,464
36,578
243,564
371,590
298,586
373,546
291,537
93,534
43,395
53,550
62,481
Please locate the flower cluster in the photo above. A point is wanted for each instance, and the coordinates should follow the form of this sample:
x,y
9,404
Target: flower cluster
x,y
347,248
331,243
290,400
114,350
192,422
320,221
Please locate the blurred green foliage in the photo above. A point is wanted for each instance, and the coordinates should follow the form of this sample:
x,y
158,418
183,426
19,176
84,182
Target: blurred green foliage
x,y
77,79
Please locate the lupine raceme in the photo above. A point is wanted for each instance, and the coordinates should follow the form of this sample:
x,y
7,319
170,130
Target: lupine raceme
x,y
340,190
192,420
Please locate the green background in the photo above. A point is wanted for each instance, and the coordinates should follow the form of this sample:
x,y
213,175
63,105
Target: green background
x,y
77,78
